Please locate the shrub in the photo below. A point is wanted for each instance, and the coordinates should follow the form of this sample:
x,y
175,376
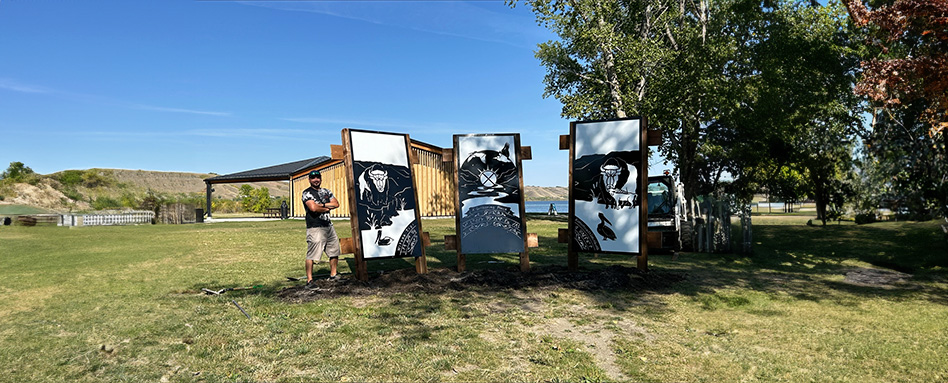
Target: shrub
x,y
72,193
864,218
105,203
129,200
92,178
70,178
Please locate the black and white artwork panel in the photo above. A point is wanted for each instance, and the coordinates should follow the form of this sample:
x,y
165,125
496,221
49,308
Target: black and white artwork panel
x,y
606,165
489,192
385,195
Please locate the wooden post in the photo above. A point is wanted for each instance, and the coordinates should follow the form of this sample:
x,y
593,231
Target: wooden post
x,y
362,272
572,257
461,260
451,242
524,153
421,263
642,261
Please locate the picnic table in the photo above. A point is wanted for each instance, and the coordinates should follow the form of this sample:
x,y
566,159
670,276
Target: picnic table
x,y
272,212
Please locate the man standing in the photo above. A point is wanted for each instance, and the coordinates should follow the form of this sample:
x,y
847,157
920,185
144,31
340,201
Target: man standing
x,y
320,235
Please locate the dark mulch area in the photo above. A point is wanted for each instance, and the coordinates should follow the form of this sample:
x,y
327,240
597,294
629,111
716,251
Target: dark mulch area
x,y
876,277
442,280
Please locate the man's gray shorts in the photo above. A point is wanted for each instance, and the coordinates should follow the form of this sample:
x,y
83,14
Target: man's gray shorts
x,y
319,239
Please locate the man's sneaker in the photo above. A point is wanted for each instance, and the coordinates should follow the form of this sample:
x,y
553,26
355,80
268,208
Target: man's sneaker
x,y
333,277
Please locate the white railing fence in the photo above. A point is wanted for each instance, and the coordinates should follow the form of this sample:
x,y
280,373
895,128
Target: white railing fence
x,y
108,219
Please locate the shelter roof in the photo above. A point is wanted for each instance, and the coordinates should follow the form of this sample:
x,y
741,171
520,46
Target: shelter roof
x,y
280,172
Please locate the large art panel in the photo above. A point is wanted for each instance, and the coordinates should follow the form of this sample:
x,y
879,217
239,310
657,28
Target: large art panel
x,y
607,161
489,192
385,201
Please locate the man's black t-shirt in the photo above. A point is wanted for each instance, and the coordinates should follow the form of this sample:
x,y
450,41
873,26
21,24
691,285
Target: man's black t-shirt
x,y
321,196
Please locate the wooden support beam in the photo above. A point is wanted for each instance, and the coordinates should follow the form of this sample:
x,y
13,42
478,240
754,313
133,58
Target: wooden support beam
x,y
564,142
447,155
532,240
421,265
526,153
346,246
413,157
451,242
654,137
654,239
425,239
337,152
562,236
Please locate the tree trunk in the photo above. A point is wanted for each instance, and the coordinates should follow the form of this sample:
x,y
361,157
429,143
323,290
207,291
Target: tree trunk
x,y
609,68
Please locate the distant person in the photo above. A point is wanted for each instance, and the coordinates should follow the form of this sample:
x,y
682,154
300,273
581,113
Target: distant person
x,y
552,210
320,234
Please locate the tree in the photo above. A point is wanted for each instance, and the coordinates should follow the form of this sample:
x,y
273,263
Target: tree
x,y
734,85
613,53
17,172
911,62
253,199
905,78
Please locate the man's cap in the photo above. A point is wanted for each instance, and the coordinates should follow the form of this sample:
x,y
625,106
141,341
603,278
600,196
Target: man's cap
x,y
314,174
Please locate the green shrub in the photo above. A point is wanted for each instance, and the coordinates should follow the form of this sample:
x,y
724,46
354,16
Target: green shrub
x,y
72,193
93,178
70,178
129,200
105,203
864,218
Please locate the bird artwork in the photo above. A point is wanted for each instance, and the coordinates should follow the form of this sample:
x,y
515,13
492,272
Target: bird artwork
x,y
605,231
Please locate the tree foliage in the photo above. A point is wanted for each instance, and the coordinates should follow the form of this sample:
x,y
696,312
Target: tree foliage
x,y
741,89
252,199
18,172
905,78
911,61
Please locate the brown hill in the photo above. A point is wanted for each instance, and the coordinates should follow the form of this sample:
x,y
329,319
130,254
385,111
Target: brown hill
x,y
179,182
542,193
49,194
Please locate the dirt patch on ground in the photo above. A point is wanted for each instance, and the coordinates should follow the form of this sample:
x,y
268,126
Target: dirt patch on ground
x,y
876,277
443,280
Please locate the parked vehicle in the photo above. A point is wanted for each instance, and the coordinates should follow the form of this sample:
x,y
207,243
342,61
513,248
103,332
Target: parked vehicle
x,y
667,214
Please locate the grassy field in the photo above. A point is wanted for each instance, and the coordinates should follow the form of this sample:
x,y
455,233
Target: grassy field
x,y
93,304
12,210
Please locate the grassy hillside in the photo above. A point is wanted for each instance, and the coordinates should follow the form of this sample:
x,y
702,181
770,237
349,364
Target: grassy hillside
x,y
79,190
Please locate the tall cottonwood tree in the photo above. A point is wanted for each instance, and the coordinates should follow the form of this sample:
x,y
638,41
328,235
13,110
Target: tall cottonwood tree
x,y
612,53
712,76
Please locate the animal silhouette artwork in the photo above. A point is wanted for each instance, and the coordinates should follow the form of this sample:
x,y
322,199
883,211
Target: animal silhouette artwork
x,y
605,179
607,168
489,192
604,230
385,196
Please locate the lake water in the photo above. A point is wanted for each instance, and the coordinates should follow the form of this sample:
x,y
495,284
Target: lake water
x,y
562,207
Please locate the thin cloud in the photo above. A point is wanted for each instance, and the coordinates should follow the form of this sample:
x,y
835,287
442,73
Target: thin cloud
x,y
180,110
16,86
425,127
259,133
446,18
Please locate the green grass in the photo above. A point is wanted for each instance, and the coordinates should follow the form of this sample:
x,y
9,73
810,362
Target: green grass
x,y
20,210
92,304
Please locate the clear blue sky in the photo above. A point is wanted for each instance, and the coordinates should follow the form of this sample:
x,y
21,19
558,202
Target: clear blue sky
x,y
226,86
